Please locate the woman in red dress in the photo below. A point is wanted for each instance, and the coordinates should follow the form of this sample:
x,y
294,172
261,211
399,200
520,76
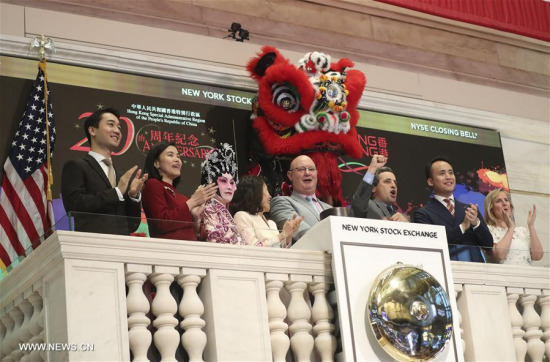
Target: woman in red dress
x,y
170,214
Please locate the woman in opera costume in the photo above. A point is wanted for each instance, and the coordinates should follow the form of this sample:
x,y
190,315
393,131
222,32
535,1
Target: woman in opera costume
x,y
512,244
170,214
251,201
219,167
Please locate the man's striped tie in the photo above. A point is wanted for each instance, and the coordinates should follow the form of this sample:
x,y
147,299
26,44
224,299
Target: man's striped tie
x,y
450,206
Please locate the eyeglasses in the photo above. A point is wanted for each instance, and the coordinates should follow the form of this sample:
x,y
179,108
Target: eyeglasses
x,y
303,169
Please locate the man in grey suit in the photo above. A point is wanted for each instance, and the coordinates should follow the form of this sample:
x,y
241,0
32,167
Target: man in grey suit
x,y
377,193
303,176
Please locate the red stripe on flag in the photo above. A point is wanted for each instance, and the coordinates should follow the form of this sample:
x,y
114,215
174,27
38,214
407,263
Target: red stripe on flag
x,y
12,236
19,209
36,195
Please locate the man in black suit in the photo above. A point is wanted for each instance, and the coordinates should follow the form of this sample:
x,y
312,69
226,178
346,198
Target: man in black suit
x,y
91,185
465,228
377,193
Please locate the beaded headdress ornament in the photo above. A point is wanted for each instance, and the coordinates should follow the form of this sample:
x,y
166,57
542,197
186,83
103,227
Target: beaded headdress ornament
x,y
219,161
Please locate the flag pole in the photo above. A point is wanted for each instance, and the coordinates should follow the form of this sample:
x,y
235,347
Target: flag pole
x,y
42,66
44,44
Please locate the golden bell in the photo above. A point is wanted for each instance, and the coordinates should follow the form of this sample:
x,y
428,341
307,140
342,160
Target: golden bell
x,y
409,313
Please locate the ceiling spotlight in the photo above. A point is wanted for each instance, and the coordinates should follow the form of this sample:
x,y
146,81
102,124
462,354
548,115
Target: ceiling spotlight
x,y
238,33
243,35
235,27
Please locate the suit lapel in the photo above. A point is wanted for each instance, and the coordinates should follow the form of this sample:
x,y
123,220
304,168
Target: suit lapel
x,y
460,211
441,212
383,208
97,168
324,205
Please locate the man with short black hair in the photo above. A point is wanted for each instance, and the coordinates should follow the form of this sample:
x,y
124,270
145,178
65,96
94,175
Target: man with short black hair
x,y
92,185
376,195
466,230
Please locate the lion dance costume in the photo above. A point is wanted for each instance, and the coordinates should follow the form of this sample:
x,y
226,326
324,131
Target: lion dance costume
x,y
310,109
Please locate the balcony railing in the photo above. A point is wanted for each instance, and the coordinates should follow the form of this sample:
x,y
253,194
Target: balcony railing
x,y
102,297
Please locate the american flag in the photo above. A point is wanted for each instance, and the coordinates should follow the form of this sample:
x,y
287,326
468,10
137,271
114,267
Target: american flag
x,y
24,215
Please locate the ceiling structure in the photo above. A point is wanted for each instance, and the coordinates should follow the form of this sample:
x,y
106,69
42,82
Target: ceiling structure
x,y
364,30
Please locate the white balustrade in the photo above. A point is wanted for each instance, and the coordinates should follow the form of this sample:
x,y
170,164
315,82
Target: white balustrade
x,y
332,298
36,324
191,309
137,305
544,302
164,307
5,348
17,316
532,323
276,312
517,322
458,290
50,291
24,334
299,314
322,315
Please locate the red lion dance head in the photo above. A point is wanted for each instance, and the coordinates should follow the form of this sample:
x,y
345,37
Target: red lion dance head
x,y
310,109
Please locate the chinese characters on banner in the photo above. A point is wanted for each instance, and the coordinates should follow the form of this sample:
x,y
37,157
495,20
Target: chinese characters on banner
x,y
373,145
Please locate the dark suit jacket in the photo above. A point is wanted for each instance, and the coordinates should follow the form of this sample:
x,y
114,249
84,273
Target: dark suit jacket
x,y
363,206
436,214
86,189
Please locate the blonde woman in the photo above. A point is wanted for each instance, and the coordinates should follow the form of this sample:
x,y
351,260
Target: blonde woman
x,y
512,244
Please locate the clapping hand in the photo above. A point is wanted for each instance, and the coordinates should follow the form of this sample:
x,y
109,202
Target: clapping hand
x,y
197,202
204,193
471,215
531,216
291,226
398,217
125,179
137,184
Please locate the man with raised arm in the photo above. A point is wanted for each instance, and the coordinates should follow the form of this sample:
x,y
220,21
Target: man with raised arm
x,y
376,195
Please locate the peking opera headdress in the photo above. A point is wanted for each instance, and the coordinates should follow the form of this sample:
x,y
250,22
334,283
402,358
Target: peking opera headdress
x,y
217,162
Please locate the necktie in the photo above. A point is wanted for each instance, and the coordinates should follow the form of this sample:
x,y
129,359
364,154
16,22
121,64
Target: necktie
x,y
310,200
111,174
390,209
450,206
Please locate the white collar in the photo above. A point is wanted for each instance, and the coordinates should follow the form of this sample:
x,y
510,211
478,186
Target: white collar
x,y
442,198
313,197
99,158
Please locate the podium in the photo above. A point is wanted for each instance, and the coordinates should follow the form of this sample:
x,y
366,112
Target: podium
x,y
361,249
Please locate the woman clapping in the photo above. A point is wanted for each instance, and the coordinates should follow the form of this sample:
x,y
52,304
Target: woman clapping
x,y
251,201
171,215
512,244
